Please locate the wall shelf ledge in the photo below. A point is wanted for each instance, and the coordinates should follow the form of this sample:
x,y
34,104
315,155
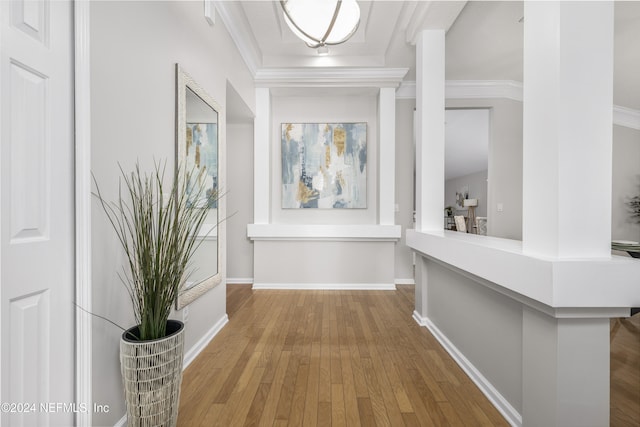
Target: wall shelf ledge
x,y
325,232
594,287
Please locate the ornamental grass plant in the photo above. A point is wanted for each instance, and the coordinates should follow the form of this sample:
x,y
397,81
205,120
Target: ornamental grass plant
x,y
157,228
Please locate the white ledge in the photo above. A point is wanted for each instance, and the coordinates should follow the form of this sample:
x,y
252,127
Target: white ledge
x,y
612,284
321,232
331,77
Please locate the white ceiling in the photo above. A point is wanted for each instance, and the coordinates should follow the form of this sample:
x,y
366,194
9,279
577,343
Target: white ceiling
x,y
484,41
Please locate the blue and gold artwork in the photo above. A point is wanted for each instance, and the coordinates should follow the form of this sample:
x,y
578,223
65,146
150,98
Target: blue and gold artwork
x,y
202,156
324,165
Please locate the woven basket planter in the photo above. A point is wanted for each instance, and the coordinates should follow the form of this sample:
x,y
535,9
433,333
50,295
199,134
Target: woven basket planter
x,y
151,375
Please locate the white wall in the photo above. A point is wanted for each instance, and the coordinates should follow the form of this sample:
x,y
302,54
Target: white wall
x,y
405,159
328,264
477,185
134,48
626,182
240,201
335,262
485,326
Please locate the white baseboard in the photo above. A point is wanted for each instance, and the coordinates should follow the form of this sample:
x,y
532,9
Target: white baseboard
x,y
194,351
422,321
405,282
191,354
328,286
512,416
239,280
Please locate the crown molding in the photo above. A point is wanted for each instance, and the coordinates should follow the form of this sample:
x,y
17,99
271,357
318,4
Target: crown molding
x,y
431,15
236,24
407,90
469,89
506,89
627,117
330,77
465,89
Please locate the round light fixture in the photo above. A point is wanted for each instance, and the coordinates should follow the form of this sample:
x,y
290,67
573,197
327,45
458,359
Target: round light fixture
x,y
322,22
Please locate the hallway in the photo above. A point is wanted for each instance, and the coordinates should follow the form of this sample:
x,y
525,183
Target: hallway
x,y
349,358
327,358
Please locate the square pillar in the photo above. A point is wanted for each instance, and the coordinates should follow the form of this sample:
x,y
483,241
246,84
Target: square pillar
x,y
567,129
387,156
565,370
262,157
430,67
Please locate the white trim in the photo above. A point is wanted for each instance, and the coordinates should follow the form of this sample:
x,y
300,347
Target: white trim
x,y
327,286
512,416
330,77
627,117
238,28
470,89
560,287
406,90
209,12
431,15
507,89
82,107
240,281
202,343
405,281
321,232
422,321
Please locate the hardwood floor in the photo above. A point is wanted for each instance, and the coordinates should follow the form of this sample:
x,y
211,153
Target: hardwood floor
x,y
320,358
625,372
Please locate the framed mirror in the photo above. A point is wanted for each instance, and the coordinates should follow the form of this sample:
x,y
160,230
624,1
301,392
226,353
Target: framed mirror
x,y
199,148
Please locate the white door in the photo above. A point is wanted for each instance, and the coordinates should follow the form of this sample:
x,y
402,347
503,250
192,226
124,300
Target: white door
x,y
37,213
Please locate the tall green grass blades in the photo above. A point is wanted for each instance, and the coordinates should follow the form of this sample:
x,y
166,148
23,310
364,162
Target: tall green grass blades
x,y
158,233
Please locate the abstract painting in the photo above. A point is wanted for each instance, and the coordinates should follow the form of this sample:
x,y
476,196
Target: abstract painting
x,y
324,165
201,154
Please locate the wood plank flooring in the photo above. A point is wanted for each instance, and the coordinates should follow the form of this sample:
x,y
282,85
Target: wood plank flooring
x,y
347,358
327,358
625,372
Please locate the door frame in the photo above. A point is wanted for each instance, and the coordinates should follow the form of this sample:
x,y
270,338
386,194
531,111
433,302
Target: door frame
x,y
82,114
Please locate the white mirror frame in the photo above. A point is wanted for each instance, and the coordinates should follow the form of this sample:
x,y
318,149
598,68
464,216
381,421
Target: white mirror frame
x,y
184,81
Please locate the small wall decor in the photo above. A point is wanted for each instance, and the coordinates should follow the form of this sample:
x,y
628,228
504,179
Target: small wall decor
x,y
461,195
324,165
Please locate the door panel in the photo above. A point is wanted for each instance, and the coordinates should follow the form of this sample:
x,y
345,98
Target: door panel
x,y
37,213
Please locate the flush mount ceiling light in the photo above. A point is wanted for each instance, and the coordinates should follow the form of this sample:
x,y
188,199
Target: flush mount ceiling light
x,y
323,51
322,22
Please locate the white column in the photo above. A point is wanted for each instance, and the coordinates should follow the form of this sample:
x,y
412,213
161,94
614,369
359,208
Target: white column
x,y
261,157
567,151
430,55
565,370
387,155
567,129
